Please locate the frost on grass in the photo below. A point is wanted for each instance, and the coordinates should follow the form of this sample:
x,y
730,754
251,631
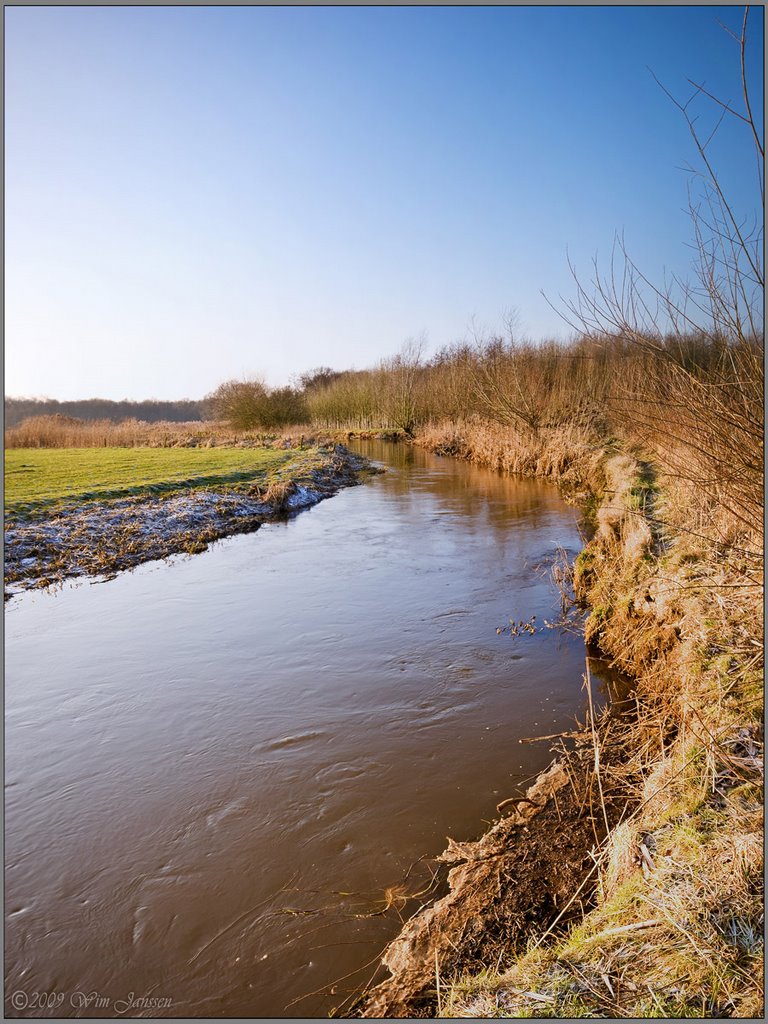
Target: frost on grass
x,y
101,538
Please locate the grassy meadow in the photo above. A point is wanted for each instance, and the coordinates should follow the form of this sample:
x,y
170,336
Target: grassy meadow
x,y
43,478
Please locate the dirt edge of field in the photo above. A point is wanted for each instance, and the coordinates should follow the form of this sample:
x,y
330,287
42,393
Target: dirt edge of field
x,y
99,538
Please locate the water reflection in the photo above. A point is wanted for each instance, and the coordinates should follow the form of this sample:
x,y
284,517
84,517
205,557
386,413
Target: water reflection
x,y
484,498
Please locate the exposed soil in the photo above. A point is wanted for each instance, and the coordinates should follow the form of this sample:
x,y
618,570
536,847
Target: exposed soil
x,y
518,880
101,538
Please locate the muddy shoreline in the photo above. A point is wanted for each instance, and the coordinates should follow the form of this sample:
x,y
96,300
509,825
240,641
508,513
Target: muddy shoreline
x,y
101,538
530,872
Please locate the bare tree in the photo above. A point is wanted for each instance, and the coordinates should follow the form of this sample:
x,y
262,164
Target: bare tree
x,y
514,379
700,409
400,384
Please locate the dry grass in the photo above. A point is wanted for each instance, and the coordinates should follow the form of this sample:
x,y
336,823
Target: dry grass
x,y
679,927
66,432
569,454
58,431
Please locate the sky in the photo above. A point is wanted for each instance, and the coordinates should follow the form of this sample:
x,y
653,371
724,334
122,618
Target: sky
x,y
195,194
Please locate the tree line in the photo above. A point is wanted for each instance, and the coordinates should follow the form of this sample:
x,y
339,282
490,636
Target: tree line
x,y
150,411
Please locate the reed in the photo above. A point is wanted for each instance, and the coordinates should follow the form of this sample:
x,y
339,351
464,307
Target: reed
x,y
58,431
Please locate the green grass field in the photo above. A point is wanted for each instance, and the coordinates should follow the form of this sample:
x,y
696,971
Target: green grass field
x,y
38,479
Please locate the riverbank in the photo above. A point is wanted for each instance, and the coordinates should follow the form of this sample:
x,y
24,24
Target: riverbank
x,y
99,534
634,888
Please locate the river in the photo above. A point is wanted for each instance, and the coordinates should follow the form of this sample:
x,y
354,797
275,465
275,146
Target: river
x,y
222,771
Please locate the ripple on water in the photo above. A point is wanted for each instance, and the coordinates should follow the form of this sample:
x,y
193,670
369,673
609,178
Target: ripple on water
x,y
294,741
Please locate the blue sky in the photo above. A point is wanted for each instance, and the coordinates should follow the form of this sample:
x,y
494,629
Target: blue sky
x,y
195,194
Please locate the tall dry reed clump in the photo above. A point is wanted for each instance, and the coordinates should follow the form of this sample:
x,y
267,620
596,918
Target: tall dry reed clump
x,y
66,432
703,424
569,454
59,431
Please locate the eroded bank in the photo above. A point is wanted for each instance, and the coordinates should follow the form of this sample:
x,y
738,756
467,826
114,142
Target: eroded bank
x,y
653,905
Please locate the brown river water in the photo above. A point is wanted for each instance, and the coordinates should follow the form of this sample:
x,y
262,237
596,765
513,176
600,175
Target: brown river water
x,y
217,767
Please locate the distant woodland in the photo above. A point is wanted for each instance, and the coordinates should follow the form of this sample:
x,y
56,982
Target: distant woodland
x,y
151,411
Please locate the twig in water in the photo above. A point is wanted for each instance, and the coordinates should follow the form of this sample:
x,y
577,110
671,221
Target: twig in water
x,y
596,745
553,736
